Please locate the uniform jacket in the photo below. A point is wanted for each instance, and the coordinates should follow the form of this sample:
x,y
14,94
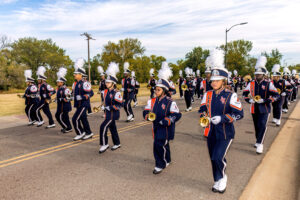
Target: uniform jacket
x,y
46,91
31,95
63,97
113,100
81,91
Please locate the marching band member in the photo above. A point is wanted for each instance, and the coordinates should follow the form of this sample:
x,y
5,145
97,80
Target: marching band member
x,y
288,89
81,92
112,104
205,83
31,98
172,89
45,93
280,86
136,89
198,84
295,84
180,82
260,105
128,85
102,86
166,115
235,80
151,83
188,92
223,108
63,100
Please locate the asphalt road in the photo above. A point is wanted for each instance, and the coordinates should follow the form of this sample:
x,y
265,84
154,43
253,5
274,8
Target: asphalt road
x,y
36,163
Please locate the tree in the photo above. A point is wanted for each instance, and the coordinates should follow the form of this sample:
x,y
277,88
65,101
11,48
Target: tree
x,y
238,55
273,58
196,59
34,53
121,52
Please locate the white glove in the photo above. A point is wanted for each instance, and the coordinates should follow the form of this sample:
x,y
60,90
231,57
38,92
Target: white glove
x,y
161,122
122,89
216,120
251,101
102,108
44,95
107,108
283,94
261,101
78,97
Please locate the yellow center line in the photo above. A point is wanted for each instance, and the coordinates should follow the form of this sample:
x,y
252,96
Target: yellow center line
x,y
47,151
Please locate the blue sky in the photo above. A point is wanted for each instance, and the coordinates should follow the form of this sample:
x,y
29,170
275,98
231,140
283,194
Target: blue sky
x,y
169,28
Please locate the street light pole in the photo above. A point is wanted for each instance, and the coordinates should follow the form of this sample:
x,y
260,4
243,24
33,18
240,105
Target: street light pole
x,y
226,31
88,38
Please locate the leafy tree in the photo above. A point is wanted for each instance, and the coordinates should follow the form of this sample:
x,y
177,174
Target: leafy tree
x,y
273,58
196,59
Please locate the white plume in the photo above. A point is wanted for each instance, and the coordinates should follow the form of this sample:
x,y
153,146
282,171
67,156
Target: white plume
x,y
100,69
276,68
113,69
180,72
79,63
61,72
187,71
198,72
41,71
229,74
261,62
151,71
126,66
235,72
215,59
294,72
28,73
286,70
133,74
165,72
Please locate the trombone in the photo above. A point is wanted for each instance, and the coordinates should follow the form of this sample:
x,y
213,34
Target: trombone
x,y
151,116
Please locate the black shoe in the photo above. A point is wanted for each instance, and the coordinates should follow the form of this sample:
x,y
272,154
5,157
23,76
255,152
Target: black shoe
x,y
62,130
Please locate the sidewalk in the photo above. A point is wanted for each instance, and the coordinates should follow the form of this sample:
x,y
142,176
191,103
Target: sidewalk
x,y
278,175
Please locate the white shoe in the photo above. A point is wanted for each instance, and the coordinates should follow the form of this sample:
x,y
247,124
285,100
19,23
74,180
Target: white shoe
x,y
30,123
89,114
215,187
129,117
222,184
88,136
135,104
157,170
103,116
50,126
259,148
255,145
190,108
274,120
285,110
115,147
103,148
79,137
289,103
35,122
40,123
278,122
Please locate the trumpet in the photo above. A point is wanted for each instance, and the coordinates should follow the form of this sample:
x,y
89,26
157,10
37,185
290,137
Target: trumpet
x,y
96,109
204,121
256,98
235,81
184,87
279,90
151,116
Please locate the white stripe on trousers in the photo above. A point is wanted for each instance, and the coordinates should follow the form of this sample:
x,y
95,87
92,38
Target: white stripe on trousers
x,y
165,151
104,130
262,141
29,113
223,159
60,117
37,112
78,122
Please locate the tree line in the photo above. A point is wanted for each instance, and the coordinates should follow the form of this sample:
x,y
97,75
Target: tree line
x,y
30,53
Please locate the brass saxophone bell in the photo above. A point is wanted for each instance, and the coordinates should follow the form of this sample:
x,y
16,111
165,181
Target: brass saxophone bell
x,y
204,121
184,87
151,116
279,90
257,98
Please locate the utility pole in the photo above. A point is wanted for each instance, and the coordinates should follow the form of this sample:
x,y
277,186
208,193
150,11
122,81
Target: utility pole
x,y
88,38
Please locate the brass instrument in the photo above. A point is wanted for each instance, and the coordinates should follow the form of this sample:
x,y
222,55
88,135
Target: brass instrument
x,y
184,87
149,87
204,121
151,116
48,101
256,98
279,90
235,81
96,109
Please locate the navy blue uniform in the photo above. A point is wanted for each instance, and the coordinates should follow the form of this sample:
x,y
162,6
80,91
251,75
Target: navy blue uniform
x,y
128,85
261,111
188,94
31,102
63,97
81,92
136,90
198,84
288,89
152,82
45,92
172,89
102,87
205,86
219,136
180,82
167,113
277,105
112,104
